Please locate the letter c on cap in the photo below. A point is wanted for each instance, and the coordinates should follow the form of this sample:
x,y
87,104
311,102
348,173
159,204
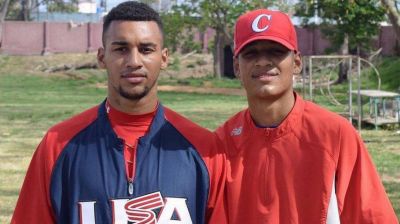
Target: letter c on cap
x,y
255,27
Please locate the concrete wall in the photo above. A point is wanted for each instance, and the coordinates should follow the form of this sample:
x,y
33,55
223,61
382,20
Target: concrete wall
x,y
311,41
33,38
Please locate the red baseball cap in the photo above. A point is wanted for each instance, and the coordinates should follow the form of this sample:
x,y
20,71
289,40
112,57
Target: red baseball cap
x,y
264,24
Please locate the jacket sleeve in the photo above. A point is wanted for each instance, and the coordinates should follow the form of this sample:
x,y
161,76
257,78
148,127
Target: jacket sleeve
x,y
216,163
33,205
360,193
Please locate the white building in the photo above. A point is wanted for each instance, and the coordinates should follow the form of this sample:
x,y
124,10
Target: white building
x,y
87,6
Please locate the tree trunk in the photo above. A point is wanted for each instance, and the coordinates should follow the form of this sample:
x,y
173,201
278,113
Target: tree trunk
x,y
344,66
393,15
24,14
217,54
3,10
3,13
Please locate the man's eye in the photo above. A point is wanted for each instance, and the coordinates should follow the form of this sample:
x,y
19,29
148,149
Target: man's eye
x,y
121,49
248,54
146,50
278,52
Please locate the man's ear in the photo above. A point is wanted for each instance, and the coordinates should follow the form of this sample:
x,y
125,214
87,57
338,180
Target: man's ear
x,y
298,63
236,66
100,57
164,58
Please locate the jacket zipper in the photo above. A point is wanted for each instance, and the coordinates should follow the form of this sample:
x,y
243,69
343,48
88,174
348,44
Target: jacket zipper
x,y
131,178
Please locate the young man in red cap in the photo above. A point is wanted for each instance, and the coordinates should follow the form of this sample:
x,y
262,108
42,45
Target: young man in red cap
x,y
289,160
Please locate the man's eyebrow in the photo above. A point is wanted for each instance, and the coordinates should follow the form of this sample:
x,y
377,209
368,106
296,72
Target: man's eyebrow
x,y
148,44
249,47
251,44
119,43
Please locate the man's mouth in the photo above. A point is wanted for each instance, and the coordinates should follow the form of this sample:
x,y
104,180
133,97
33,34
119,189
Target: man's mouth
x,y
265,76
134,78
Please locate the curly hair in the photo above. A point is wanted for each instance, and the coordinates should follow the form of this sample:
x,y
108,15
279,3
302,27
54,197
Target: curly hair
x,y
131,11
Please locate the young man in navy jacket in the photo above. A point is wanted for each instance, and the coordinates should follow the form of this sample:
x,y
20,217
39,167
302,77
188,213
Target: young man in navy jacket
x,y
129,159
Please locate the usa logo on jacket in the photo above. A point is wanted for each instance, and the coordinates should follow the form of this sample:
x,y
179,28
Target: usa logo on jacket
x,y
140,210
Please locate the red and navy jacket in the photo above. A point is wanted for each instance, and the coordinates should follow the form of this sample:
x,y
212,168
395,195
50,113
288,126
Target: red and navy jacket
x,y
77,174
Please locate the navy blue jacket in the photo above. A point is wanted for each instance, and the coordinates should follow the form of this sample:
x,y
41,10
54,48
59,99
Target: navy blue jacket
x,y
78,175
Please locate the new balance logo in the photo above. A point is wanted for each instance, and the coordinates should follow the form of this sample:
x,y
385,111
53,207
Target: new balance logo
x,y
236,131
140,210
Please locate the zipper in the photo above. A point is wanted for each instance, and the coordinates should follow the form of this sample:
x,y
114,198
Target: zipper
x,y
130,178
130,187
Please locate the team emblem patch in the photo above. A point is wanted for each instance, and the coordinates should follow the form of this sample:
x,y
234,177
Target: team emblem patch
x,y
256,23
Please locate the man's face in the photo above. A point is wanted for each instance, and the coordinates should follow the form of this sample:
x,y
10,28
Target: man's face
x,y
265,69
133,56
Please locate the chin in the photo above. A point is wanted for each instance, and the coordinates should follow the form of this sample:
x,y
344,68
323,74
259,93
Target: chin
x,y
134,95
268,93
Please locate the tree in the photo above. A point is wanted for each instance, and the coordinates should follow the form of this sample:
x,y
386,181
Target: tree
x,y
221,16
3,10
393,14
178,23
62,6
3,13
348,24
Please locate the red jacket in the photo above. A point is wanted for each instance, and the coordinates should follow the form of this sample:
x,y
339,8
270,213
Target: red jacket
x,y
314,161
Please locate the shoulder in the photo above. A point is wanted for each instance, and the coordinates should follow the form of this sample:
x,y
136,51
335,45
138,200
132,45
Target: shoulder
x,y
60,134
70,127
325,129
184,125
201,138
233,124
317,117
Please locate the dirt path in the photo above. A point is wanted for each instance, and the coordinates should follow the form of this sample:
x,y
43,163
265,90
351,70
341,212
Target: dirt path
x,y
191,89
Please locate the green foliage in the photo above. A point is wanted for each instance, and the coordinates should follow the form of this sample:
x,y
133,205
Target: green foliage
x,y
189,44
148,1
194,15
222,14
15,8
389,69
217,14
357,19
61,6
175,63
178,26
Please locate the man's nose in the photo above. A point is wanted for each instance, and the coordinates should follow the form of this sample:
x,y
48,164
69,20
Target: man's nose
x,y
263,60
134,59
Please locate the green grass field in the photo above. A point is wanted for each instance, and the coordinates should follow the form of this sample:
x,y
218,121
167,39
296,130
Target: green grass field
x,y
31,103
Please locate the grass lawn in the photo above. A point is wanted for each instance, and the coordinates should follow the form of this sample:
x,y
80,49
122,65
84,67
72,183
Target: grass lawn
x,y
30,104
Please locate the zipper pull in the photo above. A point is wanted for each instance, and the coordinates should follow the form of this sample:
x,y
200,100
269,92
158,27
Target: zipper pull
x,y
130,188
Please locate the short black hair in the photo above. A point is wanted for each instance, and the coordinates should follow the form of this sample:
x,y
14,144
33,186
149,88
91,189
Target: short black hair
x,y
131,11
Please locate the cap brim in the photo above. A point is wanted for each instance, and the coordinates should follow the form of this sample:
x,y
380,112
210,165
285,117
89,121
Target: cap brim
x,y
276,39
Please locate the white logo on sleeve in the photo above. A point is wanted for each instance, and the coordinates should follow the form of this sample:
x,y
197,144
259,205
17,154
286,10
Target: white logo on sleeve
x,y
140,210
255,25
237,131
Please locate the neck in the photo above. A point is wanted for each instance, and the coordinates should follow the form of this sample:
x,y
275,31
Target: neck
x,y
144,105
271,112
